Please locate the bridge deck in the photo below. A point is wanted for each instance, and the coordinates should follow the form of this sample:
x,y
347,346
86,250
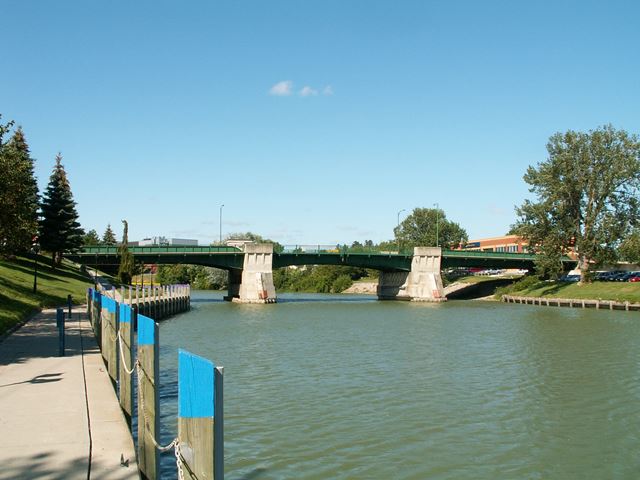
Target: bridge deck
x,y
230,258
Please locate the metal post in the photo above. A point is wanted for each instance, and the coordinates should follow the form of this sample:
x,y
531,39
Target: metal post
x,y
221,223
398,226
218,425
69,305
60,325
35,274
437,224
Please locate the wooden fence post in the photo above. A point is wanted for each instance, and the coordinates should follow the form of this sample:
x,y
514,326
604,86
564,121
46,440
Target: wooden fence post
x,y
125,344
148,398
200,411
110,336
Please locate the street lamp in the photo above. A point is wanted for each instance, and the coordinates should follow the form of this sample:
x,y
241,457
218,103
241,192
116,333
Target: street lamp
x,y
437,224
398,219
398,226
221,223
35,248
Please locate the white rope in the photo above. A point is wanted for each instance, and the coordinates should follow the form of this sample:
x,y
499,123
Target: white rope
x,y
175,443
124,363
162,448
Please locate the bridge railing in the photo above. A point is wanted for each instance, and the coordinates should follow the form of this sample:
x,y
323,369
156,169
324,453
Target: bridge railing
x,y
339,249
113,250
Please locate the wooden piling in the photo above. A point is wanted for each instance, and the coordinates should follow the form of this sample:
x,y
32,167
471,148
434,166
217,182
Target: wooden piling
x,y
200,411
110,336
148,398
125,344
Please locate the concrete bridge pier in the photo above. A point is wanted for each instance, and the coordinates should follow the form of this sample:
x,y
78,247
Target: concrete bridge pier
x,y
254,283
422,284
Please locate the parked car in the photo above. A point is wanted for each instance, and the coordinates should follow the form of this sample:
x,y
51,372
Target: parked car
x,y
635,279
569,278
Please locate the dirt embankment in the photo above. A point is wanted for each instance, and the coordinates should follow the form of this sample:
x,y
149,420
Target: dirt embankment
x,y
363,288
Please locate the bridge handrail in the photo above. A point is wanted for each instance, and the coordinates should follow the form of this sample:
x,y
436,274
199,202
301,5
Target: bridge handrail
x,y
511,255
105,250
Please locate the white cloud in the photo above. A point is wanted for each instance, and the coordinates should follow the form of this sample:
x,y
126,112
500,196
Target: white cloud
x,y
328,90
282,89
307,91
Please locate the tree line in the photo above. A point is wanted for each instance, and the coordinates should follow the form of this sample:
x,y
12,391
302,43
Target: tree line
x,y
30,221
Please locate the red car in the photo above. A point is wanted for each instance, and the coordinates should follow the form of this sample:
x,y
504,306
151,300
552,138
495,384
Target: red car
x,y
634,279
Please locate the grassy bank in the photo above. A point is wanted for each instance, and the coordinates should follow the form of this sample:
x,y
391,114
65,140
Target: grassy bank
x,y
17,300
618,291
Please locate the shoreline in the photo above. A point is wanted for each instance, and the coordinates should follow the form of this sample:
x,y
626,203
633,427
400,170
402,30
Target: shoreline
x,y
571,303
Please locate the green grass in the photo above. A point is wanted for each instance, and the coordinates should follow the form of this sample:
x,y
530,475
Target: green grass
x,y
17,300
618,291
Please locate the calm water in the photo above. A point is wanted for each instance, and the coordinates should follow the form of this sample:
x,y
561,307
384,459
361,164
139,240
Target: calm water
x,y
331,386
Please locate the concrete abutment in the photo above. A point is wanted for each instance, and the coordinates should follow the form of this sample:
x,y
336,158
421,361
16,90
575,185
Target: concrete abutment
x,y
422,284
254,283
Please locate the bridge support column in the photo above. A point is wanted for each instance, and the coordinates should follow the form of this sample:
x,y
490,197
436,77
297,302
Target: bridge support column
x,y
254,284
422,284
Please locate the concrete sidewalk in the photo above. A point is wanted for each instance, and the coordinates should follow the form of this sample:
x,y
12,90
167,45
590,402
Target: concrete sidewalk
x,y
59,416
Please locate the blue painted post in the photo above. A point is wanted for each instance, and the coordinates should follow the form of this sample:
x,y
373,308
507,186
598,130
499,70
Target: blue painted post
x,y
148,398
89,302
200,426
60,325
125,344
110,335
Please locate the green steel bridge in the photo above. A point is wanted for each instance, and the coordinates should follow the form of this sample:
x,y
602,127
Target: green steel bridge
x,y
231,258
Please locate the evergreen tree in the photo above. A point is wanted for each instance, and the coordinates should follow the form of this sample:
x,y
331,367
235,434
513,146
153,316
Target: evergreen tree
x,y
18,194
91,238
127,263
59,228
108,237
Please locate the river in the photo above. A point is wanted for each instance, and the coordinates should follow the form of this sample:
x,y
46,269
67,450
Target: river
x,y
347,387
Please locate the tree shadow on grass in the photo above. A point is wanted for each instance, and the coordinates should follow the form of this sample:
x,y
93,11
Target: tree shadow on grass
x,y
44,265
28,270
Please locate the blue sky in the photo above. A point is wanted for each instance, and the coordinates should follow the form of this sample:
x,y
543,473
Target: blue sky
x,y
311,121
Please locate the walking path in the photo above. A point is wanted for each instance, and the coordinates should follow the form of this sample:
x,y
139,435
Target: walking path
x,y
59,416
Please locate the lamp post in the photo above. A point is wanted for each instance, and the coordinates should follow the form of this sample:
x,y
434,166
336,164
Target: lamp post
x,y
437,224
221,223
35,248
398,226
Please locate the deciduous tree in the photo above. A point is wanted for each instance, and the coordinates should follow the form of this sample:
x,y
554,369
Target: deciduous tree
x,y
587,197
429,227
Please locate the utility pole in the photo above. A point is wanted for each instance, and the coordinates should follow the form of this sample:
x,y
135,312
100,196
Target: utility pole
x,y
221,223
437,224
398,226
